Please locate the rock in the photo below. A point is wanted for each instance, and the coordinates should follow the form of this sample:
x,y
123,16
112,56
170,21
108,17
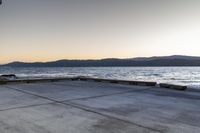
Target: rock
x,y
8,76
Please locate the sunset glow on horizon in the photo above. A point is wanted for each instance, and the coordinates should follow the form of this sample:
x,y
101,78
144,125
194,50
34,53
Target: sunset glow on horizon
x,y
47,30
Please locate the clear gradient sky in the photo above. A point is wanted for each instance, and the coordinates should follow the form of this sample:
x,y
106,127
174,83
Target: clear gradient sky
x,y
44,30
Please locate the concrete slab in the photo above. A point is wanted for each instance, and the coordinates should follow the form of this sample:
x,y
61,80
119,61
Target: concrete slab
x,y
61,91
168,114
57,118
13,99
89,107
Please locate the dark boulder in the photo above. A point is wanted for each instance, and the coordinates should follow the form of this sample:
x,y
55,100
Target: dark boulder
x,y
8,76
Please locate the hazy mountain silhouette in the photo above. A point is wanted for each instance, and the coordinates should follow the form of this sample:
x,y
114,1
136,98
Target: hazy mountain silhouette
x,y
175,60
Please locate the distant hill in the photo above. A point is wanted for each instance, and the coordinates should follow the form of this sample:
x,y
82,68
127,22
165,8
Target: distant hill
x,y
175,60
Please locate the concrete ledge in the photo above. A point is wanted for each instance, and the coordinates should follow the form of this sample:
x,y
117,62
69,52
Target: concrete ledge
x,y
140,83
38,80
143,83
172,86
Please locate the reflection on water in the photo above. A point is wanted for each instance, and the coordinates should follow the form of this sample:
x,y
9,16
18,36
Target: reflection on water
x,y
180,75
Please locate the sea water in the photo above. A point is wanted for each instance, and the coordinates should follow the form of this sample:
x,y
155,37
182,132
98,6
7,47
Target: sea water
x,y
189,76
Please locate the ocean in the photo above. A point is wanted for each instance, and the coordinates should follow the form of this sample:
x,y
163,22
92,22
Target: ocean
x,y
189,76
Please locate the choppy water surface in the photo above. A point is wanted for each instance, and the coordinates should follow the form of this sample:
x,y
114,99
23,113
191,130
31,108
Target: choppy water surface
x,y
180,75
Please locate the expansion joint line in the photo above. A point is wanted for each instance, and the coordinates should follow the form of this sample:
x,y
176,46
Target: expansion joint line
x,y
118,93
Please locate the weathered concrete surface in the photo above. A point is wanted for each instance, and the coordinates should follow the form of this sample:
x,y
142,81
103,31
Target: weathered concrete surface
x,y
89,107
58,118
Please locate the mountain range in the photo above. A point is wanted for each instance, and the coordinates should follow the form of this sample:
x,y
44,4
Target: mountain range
x,y
174,60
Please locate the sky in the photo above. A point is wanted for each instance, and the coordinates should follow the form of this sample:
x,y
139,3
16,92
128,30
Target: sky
x,y
46,30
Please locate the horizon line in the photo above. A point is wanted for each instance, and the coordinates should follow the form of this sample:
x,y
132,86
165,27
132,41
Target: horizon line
x,y
94,59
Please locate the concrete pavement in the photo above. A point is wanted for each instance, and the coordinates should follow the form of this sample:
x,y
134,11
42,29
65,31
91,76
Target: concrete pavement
x,y
90,107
